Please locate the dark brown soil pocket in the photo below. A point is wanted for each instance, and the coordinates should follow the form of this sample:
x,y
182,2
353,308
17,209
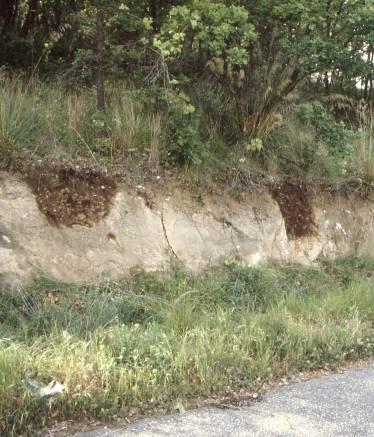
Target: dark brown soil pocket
x,y
294,204
69,196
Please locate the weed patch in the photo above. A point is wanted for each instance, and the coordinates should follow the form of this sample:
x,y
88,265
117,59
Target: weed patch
x,y
154,341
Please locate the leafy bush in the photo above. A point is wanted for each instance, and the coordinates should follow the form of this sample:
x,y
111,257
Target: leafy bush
x,y
184,141
327,131
308,142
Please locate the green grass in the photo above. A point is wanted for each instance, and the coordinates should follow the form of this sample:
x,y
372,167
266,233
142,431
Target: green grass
x,y
44,120
152,341
137,137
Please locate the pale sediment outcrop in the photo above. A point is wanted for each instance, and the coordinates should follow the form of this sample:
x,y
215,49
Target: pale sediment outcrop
x,y
136,233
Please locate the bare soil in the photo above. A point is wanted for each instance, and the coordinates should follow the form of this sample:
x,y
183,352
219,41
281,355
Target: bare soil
x,y
69,196
294,203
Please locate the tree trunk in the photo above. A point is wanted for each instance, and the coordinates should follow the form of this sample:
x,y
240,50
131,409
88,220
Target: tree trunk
x,y
8,12
100,41
155,11
30,18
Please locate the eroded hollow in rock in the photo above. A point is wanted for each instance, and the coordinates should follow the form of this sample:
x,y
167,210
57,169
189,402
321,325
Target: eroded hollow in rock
x,y
294,204
69,196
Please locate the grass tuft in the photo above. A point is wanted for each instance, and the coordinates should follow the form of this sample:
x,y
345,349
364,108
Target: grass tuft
x,y
152,341
47,120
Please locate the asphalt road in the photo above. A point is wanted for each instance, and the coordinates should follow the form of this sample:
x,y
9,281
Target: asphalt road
x,y
334,405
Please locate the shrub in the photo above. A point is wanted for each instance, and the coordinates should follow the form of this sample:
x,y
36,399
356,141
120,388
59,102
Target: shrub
x,y
327,131
309,143
184,141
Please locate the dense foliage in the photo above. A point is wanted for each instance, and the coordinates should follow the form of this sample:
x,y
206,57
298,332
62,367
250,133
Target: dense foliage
x,y
217,79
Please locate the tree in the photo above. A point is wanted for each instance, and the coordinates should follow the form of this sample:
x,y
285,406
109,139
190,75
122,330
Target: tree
x,y
267,47
29,27
100,47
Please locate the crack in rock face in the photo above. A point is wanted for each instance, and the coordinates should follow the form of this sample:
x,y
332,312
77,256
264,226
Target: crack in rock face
x,y
166,236
117,234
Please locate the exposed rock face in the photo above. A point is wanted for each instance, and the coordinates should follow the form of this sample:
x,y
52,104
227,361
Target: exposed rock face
x,y
135,233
